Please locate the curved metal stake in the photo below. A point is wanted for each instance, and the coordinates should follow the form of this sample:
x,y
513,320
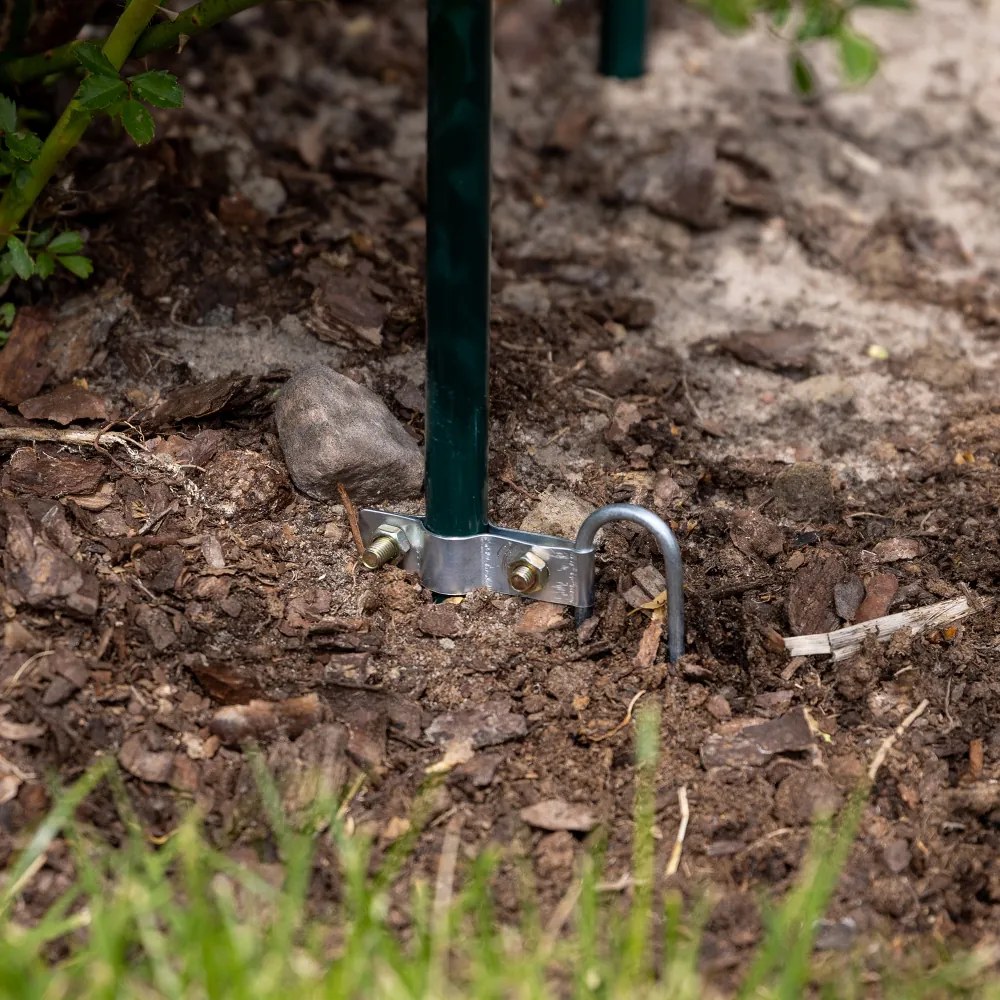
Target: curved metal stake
x,y
671,556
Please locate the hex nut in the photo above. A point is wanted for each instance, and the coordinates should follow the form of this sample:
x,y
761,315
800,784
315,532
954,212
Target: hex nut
x,y
528,573
396,533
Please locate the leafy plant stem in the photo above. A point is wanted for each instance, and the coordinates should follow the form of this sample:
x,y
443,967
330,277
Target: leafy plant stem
x,y
193,21
68,130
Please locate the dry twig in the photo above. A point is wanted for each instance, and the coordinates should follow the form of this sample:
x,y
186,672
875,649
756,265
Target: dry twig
x,y
352,517
621,725
674,861
889,742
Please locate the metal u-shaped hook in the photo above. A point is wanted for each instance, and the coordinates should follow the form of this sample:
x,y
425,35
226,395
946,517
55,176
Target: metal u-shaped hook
x,y
671,556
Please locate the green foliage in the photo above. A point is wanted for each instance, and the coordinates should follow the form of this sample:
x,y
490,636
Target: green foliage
x,y
127,100
805,22
183,919
18,145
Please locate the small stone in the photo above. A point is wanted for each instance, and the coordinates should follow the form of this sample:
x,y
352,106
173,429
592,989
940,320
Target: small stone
x,y
439,620
805,796
265,194
896,855
558,814
897,549
333,430
557,513
719,708
847,597
528,297
805,491
836,935
155,767
832,391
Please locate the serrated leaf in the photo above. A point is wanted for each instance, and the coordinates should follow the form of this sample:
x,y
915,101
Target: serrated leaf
x,y
8,114
138,122
40,239
21,177
7,313
858,56
45,265
20,261
159,88
23,144
90,57
69,242
802,74
98,92
80,266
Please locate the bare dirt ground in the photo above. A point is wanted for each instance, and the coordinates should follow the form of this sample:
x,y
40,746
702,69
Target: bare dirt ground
x,y
774,323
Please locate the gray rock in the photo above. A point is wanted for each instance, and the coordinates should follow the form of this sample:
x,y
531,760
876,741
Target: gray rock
x,y
333,430
558,513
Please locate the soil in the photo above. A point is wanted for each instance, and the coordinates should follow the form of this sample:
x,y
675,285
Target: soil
x,y
773,323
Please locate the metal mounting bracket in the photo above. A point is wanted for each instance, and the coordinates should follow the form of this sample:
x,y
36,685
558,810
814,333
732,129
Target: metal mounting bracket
x,y
519,563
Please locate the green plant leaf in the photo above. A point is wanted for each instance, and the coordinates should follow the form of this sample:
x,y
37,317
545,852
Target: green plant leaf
x,y
822,20
159,88
8,114
90,57
858,55
780,11
19,258
97,92
7,313
69,242
23,144
80,266
45,265
732,15
802,74
138,122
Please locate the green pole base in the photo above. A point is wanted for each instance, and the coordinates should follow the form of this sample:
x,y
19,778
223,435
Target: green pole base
x,y
623,38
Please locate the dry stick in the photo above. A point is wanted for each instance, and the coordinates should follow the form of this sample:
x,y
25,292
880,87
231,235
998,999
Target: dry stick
x,y
352,517
887,744
621,725
78,437
675,855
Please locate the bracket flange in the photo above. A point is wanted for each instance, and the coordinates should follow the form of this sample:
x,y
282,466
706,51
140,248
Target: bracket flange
x,y
458,565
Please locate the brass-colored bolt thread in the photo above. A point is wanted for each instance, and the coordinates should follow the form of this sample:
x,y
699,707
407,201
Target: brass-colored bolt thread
x,y
380,551
523,578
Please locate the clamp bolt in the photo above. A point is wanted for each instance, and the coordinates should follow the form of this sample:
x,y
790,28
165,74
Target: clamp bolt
x,y
389,544
528,573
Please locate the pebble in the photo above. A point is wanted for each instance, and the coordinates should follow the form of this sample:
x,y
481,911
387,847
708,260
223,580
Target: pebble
x,y
558,513
333,430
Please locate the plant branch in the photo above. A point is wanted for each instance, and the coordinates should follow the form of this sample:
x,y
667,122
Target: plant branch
x,y
197,18
73,122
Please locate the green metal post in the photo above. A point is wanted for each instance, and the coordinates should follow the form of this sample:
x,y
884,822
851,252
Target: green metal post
x,y
623,38
460,55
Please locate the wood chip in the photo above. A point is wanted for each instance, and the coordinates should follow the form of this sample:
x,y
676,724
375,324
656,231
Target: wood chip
x,y
846,641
